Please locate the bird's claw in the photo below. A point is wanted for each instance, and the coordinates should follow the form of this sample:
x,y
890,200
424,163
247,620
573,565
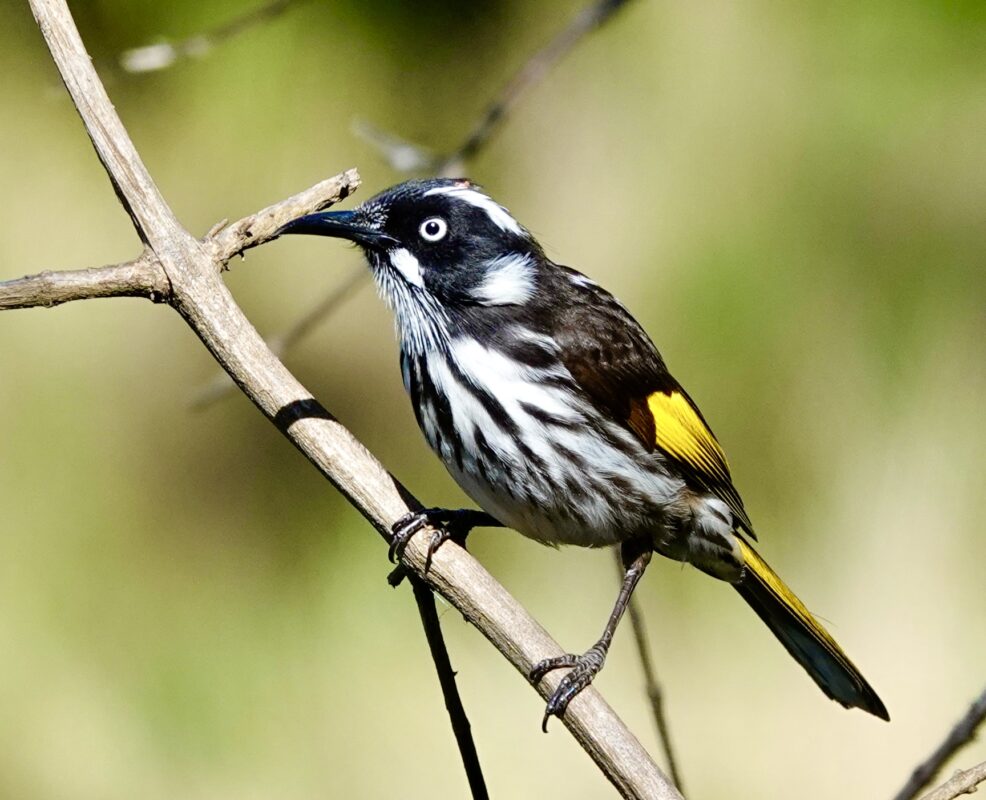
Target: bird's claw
x,y
583,668
442,520
402,531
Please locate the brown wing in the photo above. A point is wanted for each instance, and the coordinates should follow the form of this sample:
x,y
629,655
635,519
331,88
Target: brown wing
x,y
616,364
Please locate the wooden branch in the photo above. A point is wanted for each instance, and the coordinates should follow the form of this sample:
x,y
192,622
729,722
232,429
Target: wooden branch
x,y
221,386
961,734
199,295
963,782
255,229
146,277
142,277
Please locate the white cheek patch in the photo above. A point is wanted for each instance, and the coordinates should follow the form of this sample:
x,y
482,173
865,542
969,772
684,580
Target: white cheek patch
x,y
509,281
407,265
498,215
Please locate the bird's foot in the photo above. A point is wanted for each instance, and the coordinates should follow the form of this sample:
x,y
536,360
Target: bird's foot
x,y
448,524
583,668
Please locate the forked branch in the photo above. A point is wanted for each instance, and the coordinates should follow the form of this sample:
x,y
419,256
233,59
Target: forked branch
x,y
958,737
963,782
192,269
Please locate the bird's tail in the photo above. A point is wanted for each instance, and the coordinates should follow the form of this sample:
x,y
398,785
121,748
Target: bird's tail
x,y
803,636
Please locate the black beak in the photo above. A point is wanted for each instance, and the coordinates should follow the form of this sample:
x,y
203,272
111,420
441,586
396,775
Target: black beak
x,y
341,225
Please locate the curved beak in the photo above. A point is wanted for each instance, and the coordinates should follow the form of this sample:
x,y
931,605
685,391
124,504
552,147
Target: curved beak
x,y
340,225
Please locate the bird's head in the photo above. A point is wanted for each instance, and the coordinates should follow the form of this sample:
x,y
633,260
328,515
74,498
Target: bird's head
x,y
437,248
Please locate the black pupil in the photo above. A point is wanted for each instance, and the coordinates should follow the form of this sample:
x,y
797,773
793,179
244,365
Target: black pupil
x,y
432,227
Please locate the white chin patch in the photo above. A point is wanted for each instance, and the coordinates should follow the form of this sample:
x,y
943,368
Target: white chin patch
x,y
498,215
407,265
509,281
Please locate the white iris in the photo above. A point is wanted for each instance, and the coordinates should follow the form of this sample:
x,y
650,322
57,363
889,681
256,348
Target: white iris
x,y
433,229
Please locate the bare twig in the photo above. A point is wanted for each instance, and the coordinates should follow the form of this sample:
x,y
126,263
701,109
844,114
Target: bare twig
x,y
963,782
961,734
446,676
400,154
405,156
161,55
144,276
256,229
532,73
654,692
202,299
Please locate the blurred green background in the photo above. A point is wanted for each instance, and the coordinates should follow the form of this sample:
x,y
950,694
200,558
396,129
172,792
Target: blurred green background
x,y
791,198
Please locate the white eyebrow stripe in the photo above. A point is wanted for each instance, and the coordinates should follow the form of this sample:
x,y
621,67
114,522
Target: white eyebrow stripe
x,y
407,265
498,215
509,281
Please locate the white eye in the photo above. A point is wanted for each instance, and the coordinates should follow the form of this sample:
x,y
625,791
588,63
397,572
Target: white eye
x,y
433,229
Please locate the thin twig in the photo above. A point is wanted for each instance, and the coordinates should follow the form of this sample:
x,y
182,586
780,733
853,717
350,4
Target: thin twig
x,y
963,782
654,692
401,155
533,72
446,677
233,239
405,156
961,734
203,300
144,276
161,55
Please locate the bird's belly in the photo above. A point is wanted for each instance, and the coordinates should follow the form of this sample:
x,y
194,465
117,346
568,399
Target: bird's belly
x,y
548,521
524,445
560,497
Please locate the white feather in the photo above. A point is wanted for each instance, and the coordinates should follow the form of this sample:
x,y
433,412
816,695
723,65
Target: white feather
x,y
509,281
526,496
422,324
581,280
407,265
498,215
468,413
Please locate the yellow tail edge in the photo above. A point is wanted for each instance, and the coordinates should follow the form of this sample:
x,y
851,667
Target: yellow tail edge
x,y
803,636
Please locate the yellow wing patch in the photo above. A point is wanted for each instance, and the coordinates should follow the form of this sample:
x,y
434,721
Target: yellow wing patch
x,y
681,432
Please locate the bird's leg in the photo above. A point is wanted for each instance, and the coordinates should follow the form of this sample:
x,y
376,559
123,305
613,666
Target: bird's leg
x,y
636,556
448,523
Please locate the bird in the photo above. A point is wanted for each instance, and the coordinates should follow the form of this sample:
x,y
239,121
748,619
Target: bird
x,y
554,411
